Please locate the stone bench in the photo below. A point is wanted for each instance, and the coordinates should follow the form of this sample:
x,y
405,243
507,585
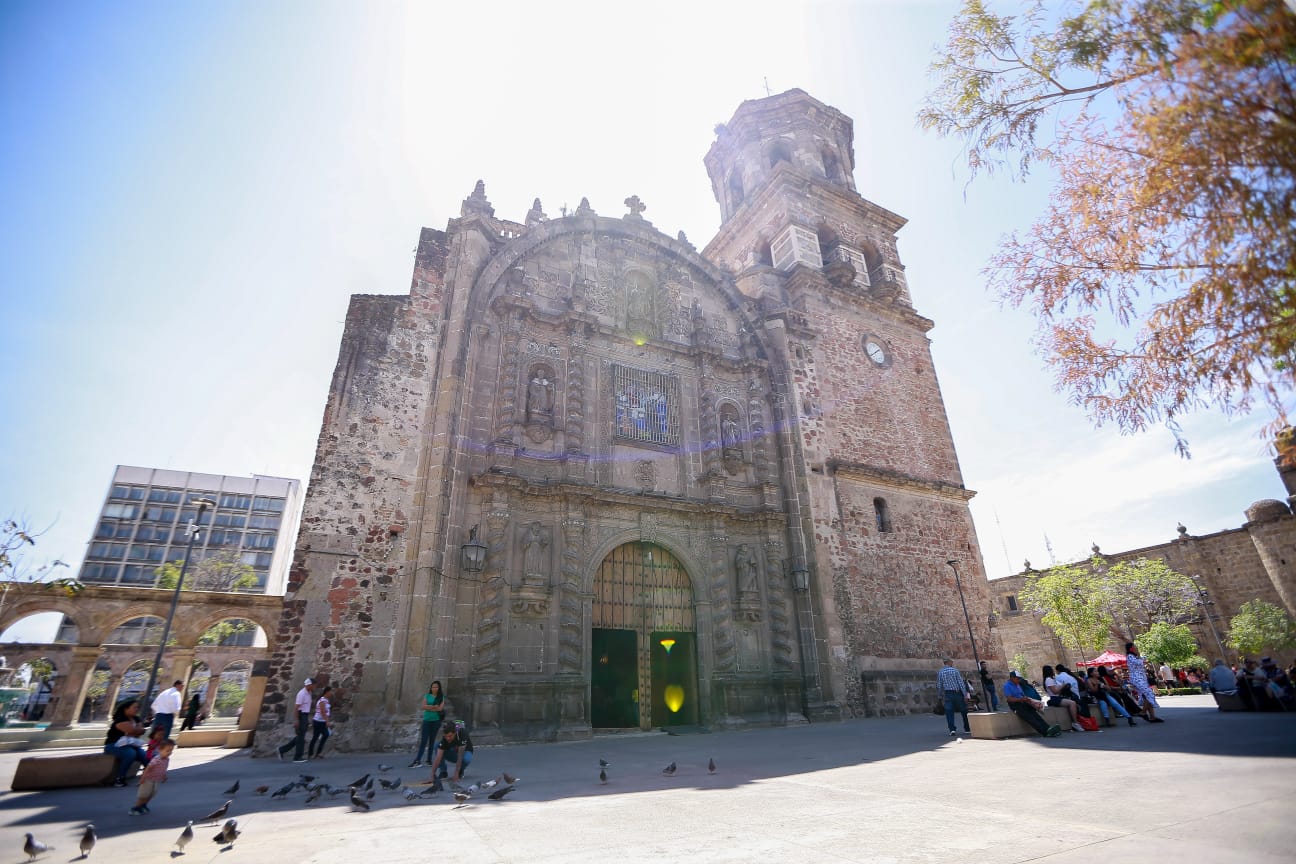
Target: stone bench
x,y
60,772
231,739
1006,724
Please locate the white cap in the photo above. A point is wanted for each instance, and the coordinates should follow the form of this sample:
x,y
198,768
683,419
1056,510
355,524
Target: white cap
x,y
308,683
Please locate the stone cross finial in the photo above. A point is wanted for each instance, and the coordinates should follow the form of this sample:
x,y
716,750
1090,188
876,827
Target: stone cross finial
x,y
636,206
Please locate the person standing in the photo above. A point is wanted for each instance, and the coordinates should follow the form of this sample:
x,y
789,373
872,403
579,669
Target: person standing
x,y
954,691
303,705
154,773
191,713
1137,670
433,713
166,706
987,684
322,724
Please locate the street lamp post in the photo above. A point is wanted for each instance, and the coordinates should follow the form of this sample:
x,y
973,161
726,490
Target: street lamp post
x,y
1203,598
976,658
194,528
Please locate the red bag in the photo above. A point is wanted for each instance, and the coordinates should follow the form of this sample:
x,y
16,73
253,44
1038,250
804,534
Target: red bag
x,y
1089,724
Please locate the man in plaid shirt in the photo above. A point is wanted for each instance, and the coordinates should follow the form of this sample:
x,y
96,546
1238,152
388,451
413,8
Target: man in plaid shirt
x,y
952,686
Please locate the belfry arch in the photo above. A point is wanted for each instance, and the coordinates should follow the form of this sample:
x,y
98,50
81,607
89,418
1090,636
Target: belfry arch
x,y
643,641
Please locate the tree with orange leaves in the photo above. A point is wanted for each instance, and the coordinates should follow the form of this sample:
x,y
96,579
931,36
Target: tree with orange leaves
x,y
1163,272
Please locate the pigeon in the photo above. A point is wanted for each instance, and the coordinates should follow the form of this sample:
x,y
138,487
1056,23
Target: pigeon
x,y
369,793
34,847
669,769
383,769
711,766
488,784
282,791
87,841
358,783
335,791
369,785
498,794
509,778
602,775
461,798
185,836
409,793
219,812
315,794
357,802
305,778
603,763
228,834
261,790
389,784
233,789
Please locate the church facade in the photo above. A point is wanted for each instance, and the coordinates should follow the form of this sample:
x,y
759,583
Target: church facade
x,y
592,478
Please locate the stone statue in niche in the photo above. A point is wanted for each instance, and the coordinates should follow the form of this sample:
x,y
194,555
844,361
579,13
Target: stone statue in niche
x,y
745,566
535,546
731,449
540,394
540,404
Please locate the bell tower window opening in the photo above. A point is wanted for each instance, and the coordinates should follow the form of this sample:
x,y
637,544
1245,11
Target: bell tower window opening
x,y
796,245
779,151
735,188
646,406
882,515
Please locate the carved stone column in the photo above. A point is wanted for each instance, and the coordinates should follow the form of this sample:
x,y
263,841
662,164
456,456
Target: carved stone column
x,y
780,623
721,613
490,611
213,687
574,431
506,398
65,703
571,641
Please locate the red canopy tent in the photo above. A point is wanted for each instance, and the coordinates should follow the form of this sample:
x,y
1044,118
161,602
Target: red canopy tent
x,y
1107,658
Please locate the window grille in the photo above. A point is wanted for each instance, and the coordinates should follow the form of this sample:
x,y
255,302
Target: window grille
x,y
647,405
856,260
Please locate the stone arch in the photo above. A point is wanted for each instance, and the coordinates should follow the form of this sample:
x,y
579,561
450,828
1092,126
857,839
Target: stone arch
x,y
200,625
494,276
126,616
691,565
27,607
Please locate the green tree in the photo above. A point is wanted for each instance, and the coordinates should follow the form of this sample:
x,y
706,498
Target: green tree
x,y
1261,626
16,540
224,571
226,631
1071,603
1163,272
1144,592
1172,644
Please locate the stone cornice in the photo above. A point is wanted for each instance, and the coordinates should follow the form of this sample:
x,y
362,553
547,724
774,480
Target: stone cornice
x,y
899,480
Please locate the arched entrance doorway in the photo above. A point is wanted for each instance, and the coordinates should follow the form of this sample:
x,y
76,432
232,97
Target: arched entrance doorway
x,y
644,670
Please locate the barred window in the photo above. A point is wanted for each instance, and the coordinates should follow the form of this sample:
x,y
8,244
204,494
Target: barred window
x,y
647,405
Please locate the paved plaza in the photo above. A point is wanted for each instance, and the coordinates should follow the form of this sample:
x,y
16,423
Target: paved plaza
x,y
1203,786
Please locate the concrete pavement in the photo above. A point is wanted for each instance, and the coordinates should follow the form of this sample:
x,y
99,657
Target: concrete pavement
x,y
1203,786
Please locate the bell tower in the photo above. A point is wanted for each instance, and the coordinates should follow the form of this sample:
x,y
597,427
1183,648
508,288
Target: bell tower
x,y
870,441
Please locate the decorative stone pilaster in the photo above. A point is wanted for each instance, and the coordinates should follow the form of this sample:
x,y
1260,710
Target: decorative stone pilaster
x,y
490,611
570,640
776,594
721,610
506,404
574,432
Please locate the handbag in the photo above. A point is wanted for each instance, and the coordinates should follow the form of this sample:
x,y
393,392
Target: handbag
x,y
1089,724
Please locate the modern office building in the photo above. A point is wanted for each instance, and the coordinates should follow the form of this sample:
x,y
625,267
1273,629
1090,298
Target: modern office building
x,y
146,514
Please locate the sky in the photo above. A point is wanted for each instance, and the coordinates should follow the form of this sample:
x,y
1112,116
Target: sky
x,y
193,191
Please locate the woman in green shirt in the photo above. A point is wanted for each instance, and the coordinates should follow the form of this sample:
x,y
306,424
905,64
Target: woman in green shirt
x,y
433,712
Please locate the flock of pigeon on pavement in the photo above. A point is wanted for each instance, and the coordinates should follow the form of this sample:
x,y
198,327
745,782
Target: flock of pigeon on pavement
x,y
360,793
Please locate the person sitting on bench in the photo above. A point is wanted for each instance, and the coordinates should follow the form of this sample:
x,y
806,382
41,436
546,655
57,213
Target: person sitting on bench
x,y
1026,708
